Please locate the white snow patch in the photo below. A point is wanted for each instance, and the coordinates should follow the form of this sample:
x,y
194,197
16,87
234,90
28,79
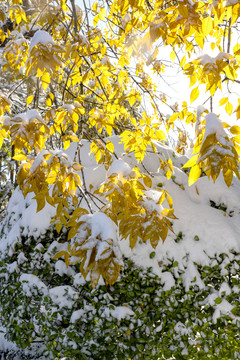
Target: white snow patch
x,y
119,312
42,37
30,282
63,296
76,315
62,269
119,167
213,126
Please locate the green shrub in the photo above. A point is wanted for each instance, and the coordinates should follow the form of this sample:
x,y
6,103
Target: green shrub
x,y
51,312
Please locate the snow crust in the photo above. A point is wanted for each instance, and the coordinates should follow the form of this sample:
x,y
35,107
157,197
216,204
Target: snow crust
x,y
214,125
23,219
28,116
42,37
119,167
63,296
119,312
207,59
30,282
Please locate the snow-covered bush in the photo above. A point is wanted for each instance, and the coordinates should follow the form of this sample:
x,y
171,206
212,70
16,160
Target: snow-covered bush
x,y
179,301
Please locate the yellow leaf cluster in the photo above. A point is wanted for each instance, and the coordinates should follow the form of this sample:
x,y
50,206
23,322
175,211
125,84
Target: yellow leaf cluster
x,y
15,53
185,115
131,207
102,152
65,118
137,141
52,177
28,132
167,167
209,71
5,104
44,59
214,153
16,13
97,256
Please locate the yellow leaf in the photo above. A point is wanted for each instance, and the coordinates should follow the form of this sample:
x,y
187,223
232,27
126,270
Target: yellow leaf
x,y
173,56
48,102
183,10
95,7
77,167
95,20
59,254
228,176
121,77
163,234
29,99
207,25
40,202
66,144
45,80
58,227
173,117
191,162
39,72
160,135
162,198
235,130
147,180
110,146
20,157
132,240
132,99
213,46
223,101
183,61
169,200
74,138
194,174
199,39
72,232
229,108
1,140
194,94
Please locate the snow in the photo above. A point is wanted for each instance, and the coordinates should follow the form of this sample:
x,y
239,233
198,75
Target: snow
x,y
63,296
6,345
28,116
38,160
61,269
207,59
119,312
119,167
101,225
224,308
30,282
231,2
76,315
213,126
22,218
41,37
220,233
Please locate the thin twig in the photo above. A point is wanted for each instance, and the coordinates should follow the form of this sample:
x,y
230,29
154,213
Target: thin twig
x,y
17,86
229,36
74,16
86,199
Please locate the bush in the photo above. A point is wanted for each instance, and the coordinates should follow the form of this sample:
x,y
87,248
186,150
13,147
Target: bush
x,y
52,310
